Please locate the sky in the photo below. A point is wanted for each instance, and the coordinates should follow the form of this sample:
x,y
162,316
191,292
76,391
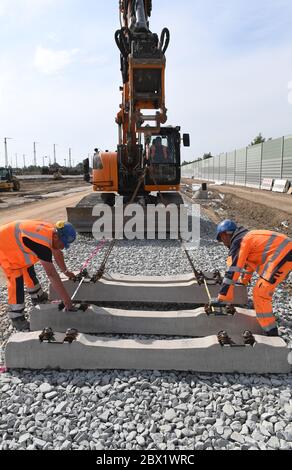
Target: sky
x,y
228,77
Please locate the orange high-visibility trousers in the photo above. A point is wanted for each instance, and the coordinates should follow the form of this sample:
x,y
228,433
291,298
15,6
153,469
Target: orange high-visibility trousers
x,y
264,290
16,278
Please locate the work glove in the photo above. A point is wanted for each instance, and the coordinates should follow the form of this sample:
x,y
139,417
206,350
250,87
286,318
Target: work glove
x,y
245,280
66,307
216,303
70,275
69,307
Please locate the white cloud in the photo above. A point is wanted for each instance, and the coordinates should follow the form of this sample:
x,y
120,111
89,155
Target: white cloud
x,y
94,60
50,62
24,9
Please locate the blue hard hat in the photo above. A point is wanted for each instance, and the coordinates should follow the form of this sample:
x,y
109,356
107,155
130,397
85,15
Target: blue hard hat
x,y
67,233
225,226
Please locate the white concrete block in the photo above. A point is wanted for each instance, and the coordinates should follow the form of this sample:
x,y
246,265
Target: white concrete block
x,y
267,184
174,323
118,288
281,186
268,355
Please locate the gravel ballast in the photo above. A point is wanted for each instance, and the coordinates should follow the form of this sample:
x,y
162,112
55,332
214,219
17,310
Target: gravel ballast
x,y
147,410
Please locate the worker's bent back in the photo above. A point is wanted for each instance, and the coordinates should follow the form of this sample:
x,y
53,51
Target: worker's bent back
x,y
12,249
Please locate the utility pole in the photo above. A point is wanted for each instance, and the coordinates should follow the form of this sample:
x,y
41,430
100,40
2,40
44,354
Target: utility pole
x,y
70,158
90,158
34,154
16,162
55,159
6,151
24,161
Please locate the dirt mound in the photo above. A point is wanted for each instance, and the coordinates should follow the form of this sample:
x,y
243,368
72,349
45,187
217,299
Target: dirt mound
x,y
251,214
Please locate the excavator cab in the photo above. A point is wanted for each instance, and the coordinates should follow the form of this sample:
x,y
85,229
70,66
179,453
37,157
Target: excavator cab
x,y
5,175
162,159
8,182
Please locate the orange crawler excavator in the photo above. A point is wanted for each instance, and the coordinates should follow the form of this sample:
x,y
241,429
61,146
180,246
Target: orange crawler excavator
x,y
147,158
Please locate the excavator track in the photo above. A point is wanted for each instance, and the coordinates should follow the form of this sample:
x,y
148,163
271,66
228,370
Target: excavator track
x,y
81,215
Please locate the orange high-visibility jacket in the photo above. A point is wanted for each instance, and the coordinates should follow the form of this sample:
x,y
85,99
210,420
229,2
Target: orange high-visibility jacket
x,y
12,248
257,250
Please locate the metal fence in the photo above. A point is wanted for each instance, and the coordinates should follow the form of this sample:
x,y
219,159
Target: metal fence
x,y
247,166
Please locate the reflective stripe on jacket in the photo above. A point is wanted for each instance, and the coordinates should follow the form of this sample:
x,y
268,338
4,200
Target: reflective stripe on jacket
x,y
12,248
257,250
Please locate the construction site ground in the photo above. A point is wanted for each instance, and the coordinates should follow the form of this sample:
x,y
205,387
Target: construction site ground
x,y
39,197
26,204
144,409
247,206
253,208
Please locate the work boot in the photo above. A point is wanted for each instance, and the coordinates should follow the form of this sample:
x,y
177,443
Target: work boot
x,y
40,299
273,332
250,304
21,324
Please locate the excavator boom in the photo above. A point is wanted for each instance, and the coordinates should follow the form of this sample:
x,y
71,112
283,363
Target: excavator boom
x,y
147,158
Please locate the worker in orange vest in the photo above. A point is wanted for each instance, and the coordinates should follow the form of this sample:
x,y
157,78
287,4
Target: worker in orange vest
x,y
22,245
263,251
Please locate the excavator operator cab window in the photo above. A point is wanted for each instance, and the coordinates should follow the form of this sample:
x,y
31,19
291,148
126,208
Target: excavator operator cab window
x,y
97,161
4,174
161,156
159,150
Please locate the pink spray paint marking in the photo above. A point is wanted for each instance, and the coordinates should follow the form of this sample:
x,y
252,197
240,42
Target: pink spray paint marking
x,y
94,253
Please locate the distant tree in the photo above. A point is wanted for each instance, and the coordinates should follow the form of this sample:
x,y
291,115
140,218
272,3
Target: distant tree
x,y
207,155
55,166
259,139
45,170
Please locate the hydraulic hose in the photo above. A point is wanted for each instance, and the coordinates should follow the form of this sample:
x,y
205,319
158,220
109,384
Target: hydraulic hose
x,y
164,40
121,42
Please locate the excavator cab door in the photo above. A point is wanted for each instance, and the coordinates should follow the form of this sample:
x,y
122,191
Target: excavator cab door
x,y
105,172
186,140
163,160
86,170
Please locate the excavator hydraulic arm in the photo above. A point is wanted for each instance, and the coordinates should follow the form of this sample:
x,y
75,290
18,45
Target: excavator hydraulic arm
x,y
143,71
